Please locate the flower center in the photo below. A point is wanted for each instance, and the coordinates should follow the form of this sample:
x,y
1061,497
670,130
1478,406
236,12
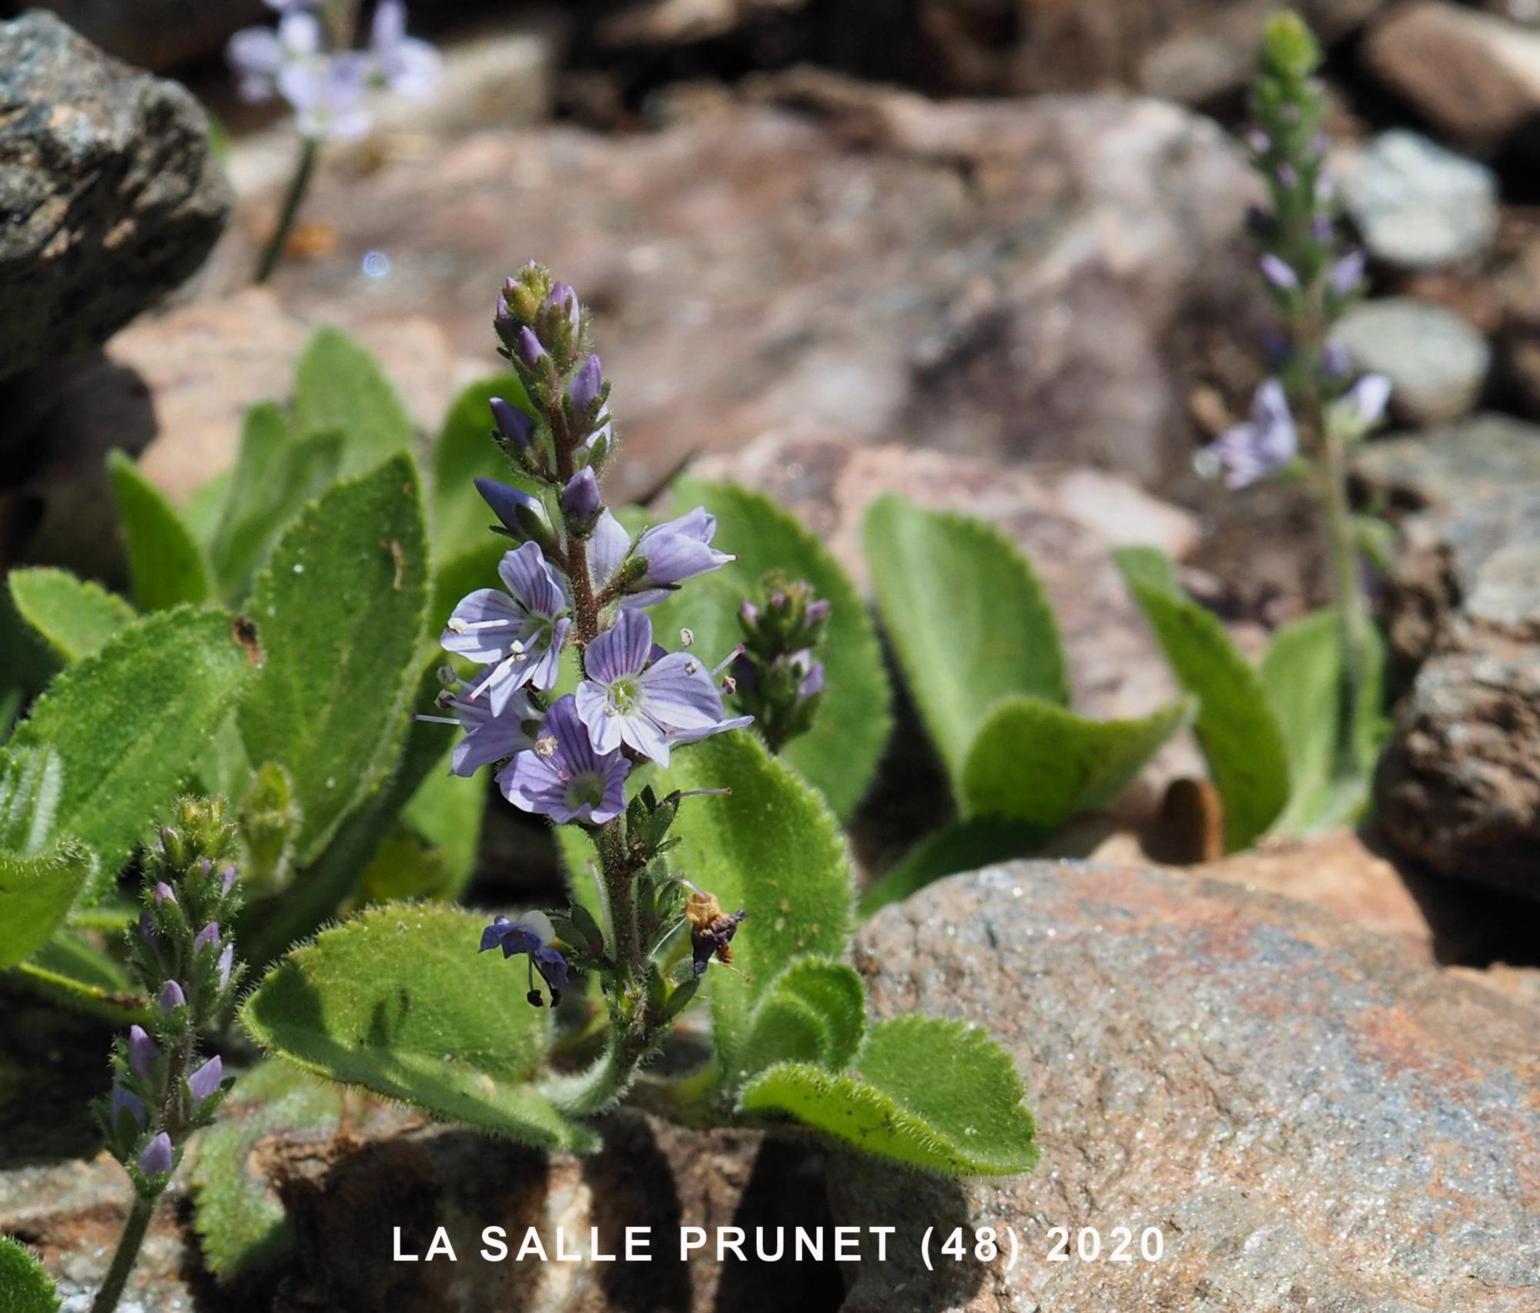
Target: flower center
x,y
585,790
625,694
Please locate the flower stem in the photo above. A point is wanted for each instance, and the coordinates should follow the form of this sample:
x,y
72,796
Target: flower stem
x,y
129,1244
1352,613
299,184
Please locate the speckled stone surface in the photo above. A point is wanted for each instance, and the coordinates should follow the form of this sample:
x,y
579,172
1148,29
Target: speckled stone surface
x,y
109,193
1311,1118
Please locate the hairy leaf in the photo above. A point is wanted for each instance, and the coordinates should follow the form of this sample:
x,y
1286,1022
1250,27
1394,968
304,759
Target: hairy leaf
x,y
839,753
815,1012
165,563
275,475
73,616
341,605
31,784
1236,726
24,1286
36,894
772,849
932,1094
400,1001
339,386
240,1220
967,618
1040,764
129,721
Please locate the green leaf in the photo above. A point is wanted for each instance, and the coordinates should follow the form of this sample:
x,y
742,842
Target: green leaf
x,y
464,451
445,813
839,753
240,1220
73,616
73,973
961,846
31,784
339,385
341,606
275,475
966,616
1302,669
24,1286
1040,764
400,1001
937,1095
69,953
1236,727
36,894
814,1012
129,721
165,563
773,849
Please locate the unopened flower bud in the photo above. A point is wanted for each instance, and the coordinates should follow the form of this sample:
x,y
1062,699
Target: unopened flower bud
x,y
564,301
1278,273
226,880
172,997
515,427
208,937
204,1083
528,347
162,893
122,1101
580,500
584,388
142,1052
226,961
156,1160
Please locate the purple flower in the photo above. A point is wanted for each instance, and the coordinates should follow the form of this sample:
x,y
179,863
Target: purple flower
x,y
203,1084
156,1159
226,962
564,301
519,634
258,55
522,514
142,1052
585,385
226,880
1278,273
488,737
630,698
562,776
1262,445
122,1101
531,933
328,97
681,549
172,997
517,428
208,937
528,347
162,893
580,500
811,683
1347,273
1366,400
407,66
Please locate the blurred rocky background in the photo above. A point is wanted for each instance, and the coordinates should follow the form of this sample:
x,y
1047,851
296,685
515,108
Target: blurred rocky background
x,y
991,253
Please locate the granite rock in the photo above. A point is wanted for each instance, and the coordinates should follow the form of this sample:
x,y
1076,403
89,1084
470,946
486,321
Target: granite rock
x,y
109,193
1308,1118
1435,361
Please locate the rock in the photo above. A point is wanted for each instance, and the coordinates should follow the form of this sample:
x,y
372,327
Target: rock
x,y
1473,76
1459,783
109,194
156,34
1417,205
1481,457
1011,281
1308,1118
1436,362
172,389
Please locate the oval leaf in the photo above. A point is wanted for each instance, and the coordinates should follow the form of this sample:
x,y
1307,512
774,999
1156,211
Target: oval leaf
x,y
1040,764
1235,725
814,1012
36,894
165,563
937,1095
967,617
341,606
24,1286
839,753
73,616
400,1001
339,386
129,721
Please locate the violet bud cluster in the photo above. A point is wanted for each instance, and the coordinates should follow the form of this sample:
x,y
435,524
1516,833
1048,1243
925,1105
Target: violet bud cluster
x,y
322,77
778,678
1309,271
184,960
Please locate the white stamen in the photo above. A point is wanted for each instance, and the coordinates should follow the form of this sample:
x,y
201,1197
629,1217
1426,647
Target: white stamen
x,y
455,625
482,624
437,720
686,638
726,661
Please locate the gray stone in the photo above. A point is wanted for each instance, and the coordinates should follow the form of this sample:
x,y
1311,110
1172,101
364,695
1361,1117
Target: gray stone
x,y
1308,1117
1436,362
109,193
1417,205
1484,456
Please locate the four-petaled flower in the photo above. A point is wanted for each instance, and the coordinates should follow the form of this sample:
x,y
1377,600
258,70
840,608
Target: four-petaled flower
x,y
1262,445
488,737
562,776
519,634
645,701
407,66
531,933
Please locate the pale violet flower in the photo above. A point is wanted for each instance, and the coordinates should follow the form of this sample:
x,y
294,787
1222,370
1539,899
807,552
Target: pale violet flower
x,y
533,934
520,633
488,737
646,701
328,97
409,67
562,776
1261,446
674,551
259,55
1362,406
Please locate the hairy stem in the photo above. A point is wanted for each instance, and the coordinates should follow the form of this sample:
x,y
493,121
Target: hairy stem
x,y
299,184
129,1244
